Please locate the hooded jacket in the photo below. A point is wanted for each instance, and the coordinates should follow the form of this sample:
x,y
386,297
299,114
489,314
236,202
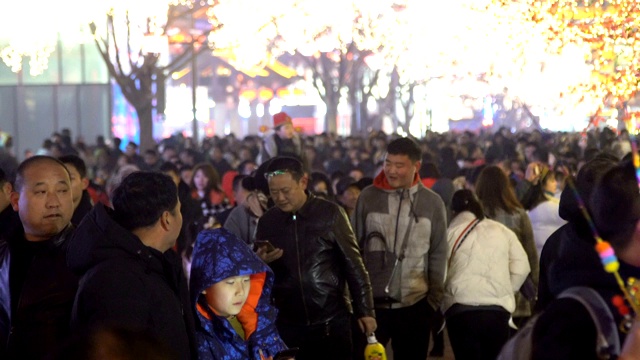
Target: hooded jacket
x,y
565,329
568,257
219,254
388,211
125,283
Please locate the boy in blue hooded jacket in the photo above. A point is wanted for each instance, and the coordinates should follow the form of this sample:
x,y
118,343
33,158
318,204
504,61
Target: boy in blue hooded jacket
x,y
230,291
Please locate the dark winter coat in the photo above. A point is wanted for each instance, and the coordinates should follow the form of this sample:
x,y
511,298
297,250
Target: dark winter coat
x,y
568,257
125,283
565,329
83,208
320,258
219,254
39,323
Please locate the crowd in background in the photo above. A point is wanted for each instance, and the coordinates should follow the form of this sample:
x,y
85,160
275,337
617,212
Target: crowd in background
x,y
451,155
516,179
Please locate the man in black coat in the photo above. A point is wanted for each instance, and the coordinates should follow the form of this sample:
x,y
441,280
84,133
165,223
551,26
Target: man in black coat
x,y
568,258
129,279
565,329
315,256
36,287
79,183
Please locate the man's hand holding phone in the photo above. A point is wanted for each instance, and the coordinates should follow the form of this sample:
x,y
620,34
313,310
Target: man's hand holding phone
x,y
266,251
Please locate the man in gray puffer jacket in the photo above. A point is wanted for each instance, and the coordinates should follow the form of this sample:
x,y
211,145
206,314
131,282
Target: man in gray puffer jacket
x,y
397,202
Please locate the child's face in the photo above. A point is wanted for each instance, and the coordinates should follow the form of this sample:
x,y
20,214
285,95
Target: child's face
x,y
228,296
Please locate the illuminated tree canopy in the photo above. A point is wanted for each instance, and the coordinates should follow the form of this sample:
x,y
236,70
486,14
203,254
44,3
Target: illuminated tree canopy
x,y
611,32
560,56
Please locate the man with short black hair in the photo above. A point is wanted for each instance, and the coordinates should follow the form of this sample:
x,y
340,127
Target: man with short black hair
x,y
152,161
128,278
79,184
251,204
402,209
189,208
36,287
131,150
315,257
566,330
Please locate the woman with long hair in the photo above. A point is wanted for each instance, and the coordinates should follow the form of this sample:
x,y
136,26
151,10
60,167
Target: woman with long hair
x,y
486,266
542,206
207,191
500,203
208,196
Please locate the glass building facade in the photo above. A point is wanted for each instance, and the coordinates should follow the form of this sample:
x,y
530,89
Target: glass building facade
x,y
74,92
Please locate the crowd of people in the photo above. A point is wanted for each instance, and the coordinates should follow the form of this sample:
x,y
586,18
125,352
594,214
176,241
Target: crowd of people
x,y
265,247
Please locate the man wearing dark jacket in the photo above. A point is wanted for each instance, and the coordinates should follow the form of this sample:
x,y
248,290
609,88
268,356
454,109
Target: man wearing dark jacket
x,y
315,257
565,329
128,278
568,258
36,287
79,183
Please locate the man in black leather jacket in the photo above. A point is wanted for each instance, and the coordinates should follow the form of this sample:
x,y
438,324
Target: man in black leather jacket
x,y
36,287
315,257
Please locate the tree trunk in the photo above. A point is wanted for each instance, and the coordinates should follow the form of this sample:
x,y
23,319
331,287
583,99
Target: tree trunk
x,y
145,121
356,110
331,118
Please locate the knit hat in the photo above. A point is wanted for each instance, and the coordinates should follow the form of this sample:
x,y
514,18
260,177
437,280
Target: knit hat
x,y
280,119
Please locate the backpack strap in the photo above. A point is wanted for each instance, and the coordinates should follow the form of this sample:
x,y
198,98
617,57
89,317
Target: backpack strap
x,y
608,342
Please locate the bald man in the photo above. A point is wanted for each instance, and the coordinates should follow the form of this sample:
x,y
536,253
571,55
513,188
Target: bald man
x,y
36,287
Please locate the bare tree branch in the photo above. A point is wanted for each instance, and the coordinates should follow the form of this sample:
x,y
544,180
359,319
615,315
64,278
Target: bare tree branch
x,y
111,26
312,63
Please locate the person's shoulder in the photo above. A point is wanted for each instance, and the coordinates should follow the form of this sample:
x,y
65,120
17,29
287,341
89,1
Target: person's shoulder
x,y
372,190
320,207
495,226
321,201
429,194
273,214
237,211
115,273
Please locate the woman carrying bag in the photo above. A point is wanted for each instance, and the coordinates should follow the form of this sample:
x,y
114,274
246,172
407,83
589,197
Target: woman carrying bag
x,y
486,266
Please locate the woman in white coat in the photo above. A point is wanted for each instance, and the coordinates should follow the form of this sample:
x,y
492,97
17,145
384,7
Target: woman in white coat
x,y
486,266
542,206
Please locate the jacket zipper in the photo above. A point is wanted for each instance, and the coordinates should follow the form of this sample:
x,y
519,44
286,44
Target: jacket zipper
x,y
395,243
395,240
304,302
